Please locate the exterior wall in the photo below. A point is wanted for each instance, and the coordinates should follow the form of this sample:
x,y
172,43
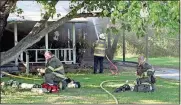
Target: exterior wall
x,y
7,41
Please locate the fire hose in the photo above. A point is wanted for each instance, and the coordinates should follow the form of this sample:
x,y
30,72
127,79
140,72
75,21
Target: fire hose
x,y
116,101
101,85
18,76
112,65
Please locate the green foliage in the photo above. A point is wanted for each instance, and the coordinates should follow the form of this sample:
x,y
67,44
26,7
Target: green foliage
x,y
49,7
18,11
162,46
161,14
165,14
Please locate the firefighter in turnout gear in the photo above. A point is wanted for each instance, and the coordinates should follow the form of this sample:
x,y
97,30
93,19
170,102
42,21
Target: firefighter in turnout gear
x,y
146,79
54,73
99,53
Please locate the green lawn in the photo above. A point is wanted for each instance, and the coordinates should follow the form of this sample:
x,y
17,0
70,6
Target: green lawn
x,y
171,62
167,92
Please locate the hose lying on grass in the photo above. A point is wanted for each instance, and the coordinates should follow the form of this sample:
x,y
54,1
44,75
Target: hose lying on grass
x,y
101,85
5,73
108,91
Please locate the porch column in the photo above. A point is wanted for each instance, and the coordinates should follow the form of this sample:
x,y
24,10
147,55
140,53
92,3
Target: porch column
x,y
27,63
69,44
46,38
74,47
15,39
68,38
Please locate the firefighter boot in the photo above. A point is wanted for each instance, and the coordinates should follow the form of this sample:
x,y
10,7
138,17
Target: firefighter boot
x,y
63,85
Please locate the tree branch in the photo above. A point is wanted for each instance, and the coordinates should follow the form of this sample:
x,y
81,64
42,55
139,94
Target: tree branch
x,y
88,15
9,6
4,14
33,38
2,4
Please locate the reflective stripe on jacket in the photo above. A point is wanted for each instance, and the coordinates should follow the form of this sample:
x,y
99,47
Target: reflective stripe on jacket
x,y
100,48
55,66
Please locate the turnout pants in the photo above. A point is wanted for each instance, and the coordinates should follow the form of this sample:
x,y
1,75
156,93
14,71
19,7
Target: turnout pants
x,y
52,78
99,60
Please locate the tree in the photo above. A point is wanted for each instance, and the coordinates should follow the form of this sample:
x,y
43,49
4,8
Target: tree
x,y
5,7
112,41
49,11
163,16
116,10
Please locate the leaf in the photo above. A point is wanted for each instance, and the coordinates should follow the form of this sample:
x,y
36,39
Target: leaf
x,y
105,12
128,28
113,20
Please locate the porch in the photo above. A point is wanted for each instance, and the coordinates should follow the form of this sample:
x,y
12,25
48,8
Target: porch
x,y
34,56
65,55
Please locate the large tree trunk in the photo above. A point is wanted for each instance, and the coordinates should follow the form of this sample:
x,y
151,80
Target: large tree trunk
x,y
109,39
109,49
112,48
5,7
32,38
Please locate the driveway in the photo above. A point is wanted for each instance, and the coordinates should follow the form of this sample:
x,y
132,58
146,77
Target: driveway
x,y
167,73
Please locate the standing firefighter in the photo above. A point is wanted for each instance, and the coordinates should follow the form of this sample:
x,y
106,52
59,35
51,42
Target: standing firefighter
x,y
99,53
54,73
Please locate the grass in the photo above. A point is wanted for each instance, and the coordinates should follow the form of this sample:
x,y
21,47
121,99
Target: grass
x,y
90,93
171,62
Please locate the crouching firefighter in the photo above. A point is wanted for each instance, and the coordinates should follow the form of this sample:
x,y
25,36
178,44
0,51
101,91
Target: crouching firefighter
x,y
146,79
54,75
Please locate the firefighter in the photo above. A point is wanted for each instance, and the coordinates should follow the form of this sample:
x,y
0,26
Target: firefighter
x,y
99,53
54,73
143,67
145,73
